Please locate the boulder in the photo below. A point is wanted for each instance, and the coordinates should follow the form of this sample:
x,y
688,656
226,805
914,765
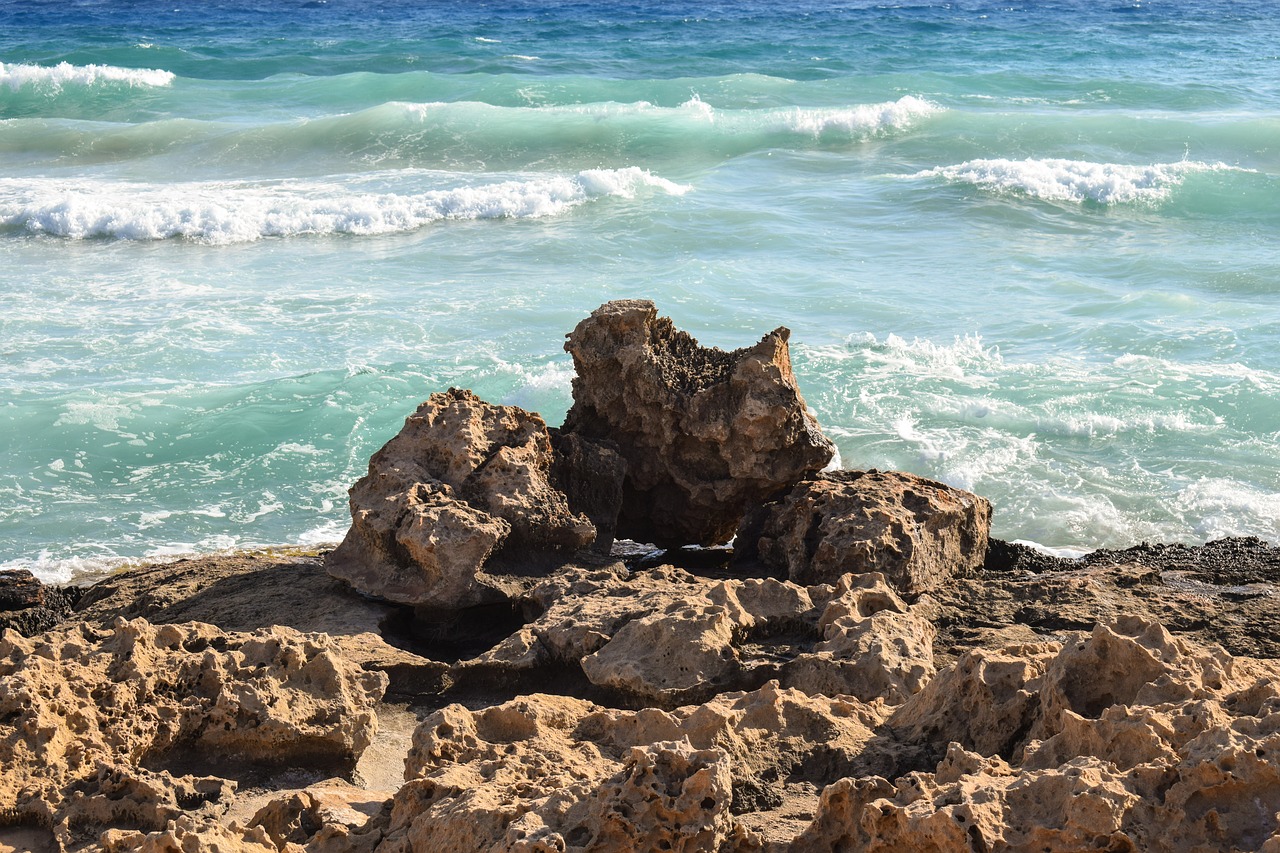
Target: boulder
x,y
916,532
705,433
463,487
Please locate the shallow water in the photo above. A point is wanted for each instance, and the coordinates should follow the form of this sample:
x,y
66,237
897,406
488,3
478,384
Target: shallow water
x,y
1026,250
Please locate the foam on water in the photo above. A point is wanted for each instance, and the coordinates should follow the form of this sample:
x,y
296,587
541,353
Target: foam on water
x,y
1070,450
233,212
53,78
1073,180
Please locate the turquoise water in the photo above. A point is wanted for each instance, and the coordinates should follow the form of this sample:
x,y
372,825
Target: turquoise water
x,y
1026,249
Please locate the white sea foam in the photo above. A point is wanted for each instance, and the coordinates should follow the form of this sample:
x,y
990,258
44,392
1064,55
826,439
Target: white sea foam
x,y
55,77
220,213
1073,180
862,119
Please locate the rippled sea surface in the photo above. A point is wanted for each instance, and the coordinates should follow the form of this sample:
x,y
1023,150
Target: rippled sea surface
x,y
1028,249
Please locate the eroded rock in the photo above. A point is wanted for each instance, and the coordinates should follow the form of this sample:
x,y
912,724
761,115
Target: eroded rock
x,y
463,482
667,637
704,432
916,532
554,773
84,712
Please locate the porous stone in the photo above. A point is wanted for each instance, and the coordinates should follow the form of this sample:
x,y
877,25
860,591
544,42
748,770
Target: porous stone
x,y
553,773
705,433
82,709
916,532
667,637
463,482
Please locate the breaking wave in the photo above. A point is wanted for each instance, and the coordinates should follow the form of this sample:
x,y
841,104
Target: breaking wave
x,y
235,212
1073,180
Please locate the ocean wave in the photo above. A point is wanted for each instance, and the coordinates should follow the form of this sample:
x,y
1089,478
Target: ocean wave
x,y
224,212
1074,180
478,135
55,77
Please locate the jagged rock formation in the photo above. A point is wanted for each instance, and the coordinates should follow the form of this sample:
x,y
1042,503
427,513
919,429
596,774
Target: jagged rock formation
x,y
916,532
704,432
90,717
29,606
461,481
666,637
1124,739
554,773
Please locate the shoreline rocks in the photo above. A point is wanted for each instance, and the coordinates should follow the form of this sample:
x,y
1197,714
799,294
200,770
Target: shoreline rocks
x,y
480,666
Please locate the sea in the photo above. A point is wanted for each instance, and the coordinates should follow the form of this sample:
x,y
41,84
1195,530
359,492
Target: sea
x,y
1029,249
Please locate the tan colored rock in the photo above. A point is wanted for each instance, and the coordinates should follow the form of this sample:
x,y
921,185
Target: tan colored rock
x,y
462,481
299,817
553,773
186,835
667,637
916,532
82,708
1123,739
705,433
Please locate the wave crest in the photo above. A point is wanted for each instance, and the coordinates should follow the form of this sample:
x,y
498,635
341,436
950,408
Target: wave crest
x,y
220,213
55,77
1073,180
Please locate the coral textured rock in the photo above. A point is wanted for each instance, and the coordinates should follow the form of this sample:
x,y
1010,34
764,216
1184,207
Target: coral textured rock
x,y
704,432
915,532
81,709
667,637
462,480
553,773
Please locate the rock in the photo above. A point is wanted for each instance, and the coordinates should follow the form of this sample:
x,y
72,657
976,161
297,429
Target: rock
x,y
915,532
81,709
705,433
1217,593
667,637
249,591
29,606
1123,739
554,773
299,817
460,484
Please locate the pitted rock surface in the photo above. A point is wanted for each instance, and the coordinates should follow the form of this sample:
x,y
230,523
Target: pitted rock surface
x,y
83,709
461,482
667,637
916,532
705,433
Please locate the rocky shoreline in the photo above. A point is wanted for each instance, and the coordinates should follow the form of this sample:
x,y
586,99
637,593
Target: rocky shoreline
x,y
490,661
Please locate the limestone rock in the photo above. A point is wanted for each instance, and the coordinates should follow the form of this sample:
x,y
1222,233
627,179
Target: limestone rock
x,y
462,481
665,636
916,532
553,773
81,710
705,433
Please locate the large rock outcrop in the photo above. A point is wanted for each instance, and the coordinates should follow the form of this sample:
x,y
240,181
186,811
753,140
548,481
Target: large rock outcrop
x,y
91,718
916,532
462,483
704,432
